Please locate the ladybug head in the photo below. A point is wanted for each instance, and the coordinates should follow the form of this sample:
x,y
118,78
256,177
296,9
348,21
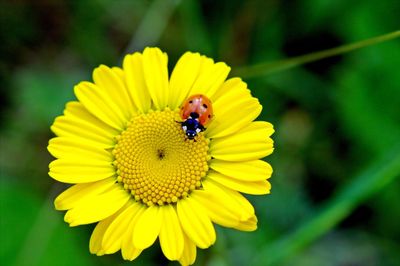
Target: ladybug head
x,y
192,127
191,134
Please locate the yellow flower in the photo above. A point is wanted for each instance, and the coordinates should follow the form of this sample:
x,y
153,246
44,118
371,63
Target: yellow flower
x,y
137,174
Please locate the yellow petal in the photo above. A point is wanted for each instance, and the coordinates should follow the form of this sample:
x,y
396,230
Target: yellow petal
x,y
216,209
120,73
98,207
232,200
246,171
134,78
196,223
71,197
210,78
233,111
69,148
131,253
98,103
75,171
128,250
171,235
256,187
79,124
189,252
182,78
249,143
155,68
96,239
248,225
116,231
147,228
228,86
245,205
115,90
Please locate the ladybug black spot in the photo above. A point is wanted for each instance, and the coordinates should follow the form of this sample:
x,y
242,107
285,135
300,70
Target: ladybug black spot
x,y
194,115
205,105
209,116
190,101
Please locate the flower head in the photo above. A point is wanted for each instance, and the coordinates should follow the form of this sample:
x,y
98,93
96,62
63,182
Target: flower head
x,y
135,172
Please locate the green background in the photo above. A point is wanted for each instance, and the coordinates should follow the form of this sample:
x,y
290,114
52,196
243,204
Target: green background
x,y
337,121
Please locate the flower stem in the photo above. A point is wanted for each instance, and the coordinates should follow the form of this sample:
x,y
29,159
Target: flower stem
x,y
372,180
267,68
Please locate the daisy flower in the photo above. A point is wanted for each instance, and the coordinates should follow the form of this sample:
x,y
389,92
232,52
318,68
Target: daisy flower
x,y
137,174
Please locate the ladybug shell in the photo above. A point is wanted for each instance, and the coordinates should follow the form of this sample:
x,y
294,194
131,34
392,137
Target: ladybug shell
x,y
199,104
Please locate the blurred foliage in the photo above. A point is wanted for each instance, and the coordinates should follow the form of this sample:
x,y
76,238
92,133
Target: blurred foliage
x,y
333,118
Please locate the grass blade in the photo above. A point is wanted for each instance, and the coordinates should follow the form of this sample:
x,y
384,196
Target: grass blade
x,y
267,68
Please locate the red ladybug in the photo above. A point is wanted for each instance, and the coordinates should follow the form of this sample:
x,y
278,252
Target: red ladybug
x,y
197,112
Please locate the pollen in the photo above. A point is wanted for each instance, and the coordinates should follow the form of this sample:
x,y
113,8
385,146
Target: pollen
x,y
156,163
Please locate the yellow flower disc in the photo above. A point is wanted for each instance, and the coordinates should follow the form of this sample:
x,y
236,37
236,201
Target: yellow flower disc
x,y
156,162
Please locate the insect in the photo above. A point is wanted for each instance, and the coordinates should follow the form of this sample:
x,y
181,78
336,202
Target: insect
x,y
197,112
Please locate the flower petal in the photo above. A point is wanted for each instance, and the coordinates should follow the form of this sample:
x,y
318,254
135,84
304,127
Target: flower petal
x,y
189,252
76,171
71,197
79,124
249,143
147,227
69,148
95,246
233,111
99,104
155,69
255,170
182,78
119,72
134,77
256,187
196,223
97,208
128,250
210,78
116,231
171,235
114,87
216,210
232,200
248,225
229,85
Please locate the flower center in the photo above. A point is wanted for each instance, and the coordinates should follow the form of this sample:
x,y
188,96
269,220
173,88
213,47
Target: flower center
x,y
156,162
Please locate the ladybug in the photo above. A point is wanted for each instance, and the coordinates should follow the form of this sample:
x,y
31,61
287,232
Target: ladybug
x,y
197,112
